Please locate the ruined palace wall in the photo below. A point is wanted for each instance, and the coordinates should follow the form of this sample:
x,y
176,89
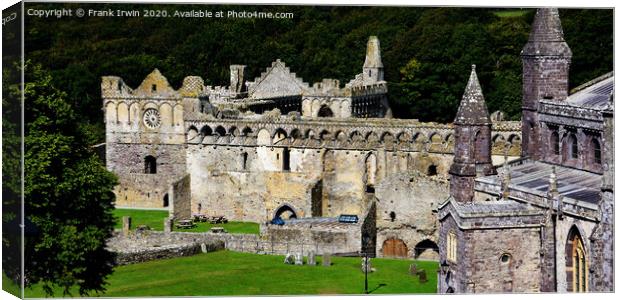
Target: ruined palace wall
x,y
413,198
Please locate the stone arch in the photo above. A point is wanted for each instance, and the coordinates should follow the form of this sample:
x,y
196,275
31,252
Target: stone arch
x,y
206,130
449,141
247,131
285,210
403,137
426,249
309,134
122,113
571,146
177,116
165,201
165,112
341,136
498,143
387,137
263,137
233,130
576,258
436,142
296,134
192,132
325,112
554,142
431,170
372,137
110,113
325,135
220,130
395,247
279,135
355,136
515,145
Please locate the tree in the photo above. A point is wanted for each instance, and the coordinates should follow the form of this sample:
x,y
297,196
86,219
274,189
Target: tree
x,y
68,194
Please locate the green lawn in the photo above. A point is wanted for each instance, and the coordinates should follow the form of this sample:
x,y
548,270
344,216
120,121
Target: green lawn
x,y
9,286
155,220
232,273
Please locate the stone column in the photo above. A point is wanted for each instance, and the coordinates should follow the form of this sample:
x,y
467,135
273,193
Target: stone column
x,y
168,224
126,225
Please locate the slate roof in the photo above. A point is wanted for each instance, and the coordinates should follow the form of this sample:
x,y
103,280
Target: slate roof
x,y
473,109
594,94
496,208
533,177
547,36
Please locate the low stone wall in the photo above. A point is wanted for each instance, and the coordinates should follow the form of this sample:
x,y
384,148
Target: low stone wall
x,y
141,246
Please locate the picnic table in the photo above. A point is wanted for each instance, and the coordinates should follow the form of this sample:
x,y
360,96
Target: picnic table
x,y
218,219
200,218
185,224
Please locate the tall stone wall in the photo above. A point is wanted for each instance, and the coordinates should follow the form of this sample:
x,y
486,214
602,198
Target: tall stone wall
x,y
406,210
180,198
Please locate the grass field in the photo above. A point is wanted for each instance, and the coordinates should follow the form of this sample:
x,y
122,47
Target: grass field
x,y
232,273
155,220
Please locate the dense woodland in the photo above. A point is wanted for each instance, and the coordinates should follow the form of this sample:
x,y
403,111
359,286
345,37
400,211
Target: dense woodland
x,y
427,52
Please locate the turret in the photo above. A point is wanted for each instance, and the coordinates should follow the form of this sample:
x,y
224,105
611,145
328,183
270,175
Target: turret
x,y
472,148
373,67
546,60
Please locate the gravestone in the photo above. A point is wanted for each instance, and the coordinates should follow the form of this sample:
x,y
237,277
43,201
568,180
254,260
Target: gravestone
x,y
203,248
168,224
327,259
126,225
288,259
413,270
422,276
311,258
299,259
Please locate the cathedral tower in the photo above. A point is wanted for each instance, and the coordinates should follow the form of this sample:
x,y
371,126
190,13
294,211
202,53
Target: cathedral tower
x,y
546,60
472,150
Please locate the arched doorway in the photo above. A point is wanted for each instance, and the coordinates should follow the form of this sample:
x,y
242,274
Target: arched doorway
x,y
395,248
325,112
166,200
285,212
576,263
426,249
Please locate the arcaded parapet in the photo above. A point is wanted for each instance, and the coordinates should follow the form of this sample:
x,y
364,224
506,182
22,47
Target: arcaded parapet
x,y
406,215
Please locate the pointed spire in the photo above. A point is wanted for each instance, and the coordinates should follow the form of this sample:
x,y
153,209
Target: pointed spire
x,y
473,109
547,36
373,53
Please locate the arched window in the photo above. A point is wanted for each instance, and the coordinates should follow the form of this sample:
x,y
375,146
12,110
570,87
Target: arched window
x,y
576,263
596,151
325,112
477,148
244,160
371,172
286,159
555,143
150,165
573,149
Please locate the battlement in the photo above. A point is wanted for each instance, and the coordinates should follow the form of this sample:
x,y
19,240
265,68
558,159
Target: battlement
x,y
154,86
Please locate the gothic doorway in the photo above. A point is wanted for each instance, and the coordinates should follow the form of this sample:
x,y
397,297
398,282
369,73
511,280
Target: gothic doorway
x,y
285,212
395,248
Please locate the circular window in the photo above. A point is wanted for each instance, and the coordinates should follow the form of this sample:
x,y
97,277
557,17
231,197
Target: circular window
x,y
151,118
505,258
